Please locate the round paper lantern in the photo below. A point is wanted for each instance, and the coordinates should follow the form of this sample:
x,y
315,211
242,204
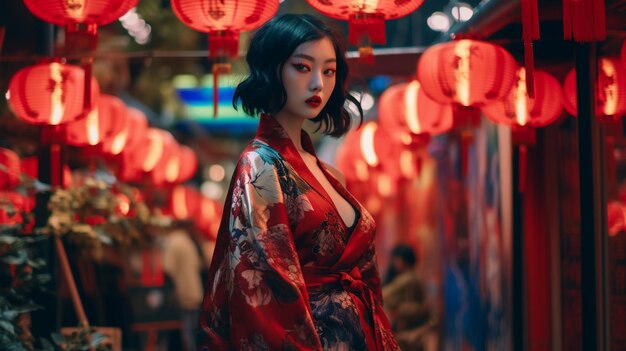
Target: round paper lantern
x,y
105,121
181,166
30,167
223,21
9,169
208,217
366,19
184,202
152,152
80,16
136,125
611,90
49,94
408,114
517,109
349,159
466,72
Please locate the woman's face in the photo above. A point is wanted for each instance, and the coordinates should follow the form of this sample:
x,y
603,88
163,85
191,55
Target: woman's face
x,y
309,78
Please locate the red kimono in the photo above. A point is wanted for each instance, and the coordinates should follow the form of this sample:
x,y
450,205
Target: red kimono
x,y
287,274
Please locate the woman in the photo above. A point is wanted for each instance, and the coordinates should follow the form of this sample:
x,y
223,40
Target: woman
x,y
294,265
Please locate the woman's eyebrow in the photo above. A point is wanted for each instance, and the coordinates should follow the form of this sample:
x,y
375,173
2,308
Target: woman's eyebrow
x,y
311,58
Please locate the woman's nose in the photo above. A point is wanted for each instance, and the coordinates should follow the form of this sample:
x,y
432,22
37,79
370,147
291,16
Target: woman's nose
x,y
316,83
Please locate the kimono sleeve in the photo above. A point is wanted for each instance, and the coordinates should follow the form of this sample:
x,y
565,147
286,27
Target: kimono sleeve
x,y
257,298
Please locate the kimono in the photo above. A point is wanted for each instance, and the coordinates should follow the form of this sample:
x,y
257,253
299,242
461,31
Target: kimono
x,y
287,273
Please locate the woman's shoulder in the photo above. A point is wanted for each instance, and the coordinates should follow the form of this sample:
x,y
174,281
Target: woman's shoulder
x,y
259,153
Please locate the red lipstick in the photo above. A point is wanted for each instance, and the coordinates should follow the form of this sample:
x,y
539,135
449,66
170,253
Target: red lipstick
x,y
314,101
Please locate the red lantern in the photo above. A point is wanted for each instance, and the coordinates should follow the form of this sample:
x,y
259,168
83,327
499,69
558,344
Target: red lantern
x,y
9,169
349,159
184,202
518,109
611,90
136,125
181,166
208,217
49,94
151,153
366,19
80,18
223,21
410,115
105,121
466,72
30,167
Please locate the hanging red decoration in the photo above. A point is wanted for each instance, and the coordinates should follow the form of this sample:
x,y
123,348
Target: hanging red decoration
x,y
366,19
184,202
207,218
81,19
584,20
129,137
106,120
182,166
530,32
223,21
49,94
152,152
349,159
611,90
410,115
519,109
466,72
9,169
30,165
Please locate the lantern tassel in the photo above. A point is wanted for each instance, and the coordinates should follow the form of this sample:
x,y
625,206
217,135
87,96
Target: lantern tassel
x,y
363,30
584,20
610,164
87,64
530,32
218,68
522,164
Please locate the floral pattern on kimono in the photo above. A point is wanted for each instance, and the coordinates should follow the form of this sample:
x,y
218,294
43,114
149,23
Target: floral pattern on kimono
x,y
287,273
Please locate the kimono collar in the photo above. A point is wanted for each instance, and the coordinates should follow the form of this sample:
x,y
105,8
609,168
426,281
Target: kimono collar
x,y
272,133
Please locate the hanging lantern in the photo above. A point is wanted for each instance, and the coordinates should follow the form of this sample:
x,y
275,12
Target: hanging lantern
x,y
184,202
207,217
518,109
223,21
181,166
9,169
152,152
611,90
524,114
49,94
467,74
168,166
105,121
30,165
366,19
349,159
136,125
410,115
81,19
584,20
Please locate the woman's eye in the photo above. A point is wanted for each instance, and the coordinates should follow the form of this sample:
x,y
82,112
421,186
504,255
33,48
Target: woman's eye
x,y
300,67
330,72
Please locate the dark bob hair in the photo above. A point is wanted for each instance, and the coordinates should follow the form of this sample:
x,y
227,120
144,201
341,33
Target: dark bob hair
x,y
263,91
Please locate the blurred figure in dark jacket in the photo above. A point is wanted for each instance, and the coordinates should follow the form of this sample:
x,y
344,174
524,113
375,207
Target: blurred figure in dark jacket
x,y
404,300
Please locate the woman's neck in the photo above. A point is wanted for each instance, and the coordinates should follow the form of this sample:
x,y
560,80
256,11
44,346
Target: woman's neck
x,y
293,127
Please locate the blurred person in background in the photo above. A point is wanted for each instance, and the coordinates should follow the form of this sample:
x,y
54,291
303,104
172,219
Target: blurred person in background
x,y
185,262
404,299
